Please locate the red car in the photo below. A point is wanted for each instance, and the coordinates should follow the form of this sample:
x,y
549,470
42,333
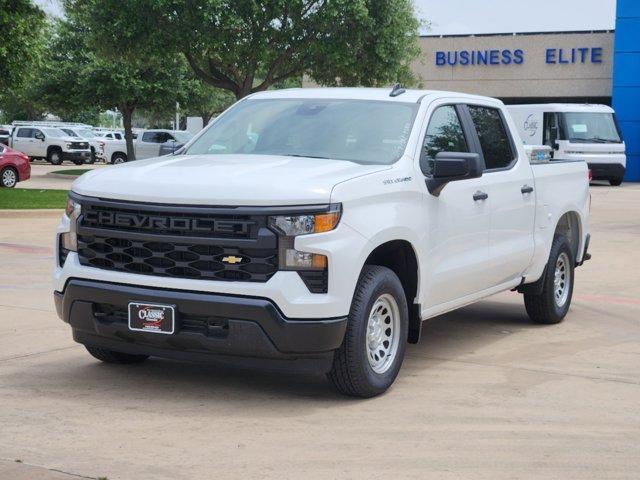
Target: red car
x,y
14,167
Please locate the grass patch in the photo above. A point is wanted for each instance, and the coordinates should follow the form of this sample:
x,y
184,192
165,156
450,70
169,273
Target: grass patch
x,y
26,198
72,172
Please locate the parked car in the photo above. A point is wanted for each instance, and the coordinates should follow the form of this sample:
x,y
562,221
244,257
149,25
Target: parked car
x,y
14,167
149,143
317,229
49,143
576,132
96,143
5,134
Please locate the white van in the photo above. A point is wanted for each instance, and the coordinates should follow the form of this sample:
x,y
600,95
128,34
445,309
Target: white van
x,y
575,132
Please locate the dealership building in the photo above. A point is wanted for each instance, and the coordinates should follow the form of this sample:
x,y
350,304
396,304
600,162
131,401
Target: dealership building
x,y
541,67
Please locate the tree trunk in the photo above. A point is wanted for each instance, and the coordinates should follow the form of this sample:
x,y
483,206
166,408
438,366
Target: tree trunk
x,y
206,118
127,116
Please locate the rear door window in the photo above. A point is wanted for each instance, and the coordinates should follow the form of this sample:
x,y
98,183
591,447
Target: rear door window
x,y
494,139
153,137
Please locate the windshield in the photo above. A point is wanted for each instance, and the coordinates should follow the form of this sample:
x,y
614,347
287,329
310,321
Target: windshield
x,y
69,132
589,127
182,136
54,132
362,131
87,133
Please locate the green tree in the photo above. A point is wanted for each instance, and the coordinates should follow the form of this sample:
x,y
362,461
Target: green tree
x,y
22,28
246,46
78,76
205,101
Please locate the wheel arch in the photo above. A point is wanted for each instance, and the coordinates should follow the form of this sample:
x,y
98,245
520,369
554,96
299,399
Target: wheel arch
x,y
570,225
400,256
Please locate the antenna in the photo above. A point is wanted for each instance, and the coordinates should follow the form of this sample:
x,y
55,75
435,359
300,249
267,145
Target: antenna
x,y
397,90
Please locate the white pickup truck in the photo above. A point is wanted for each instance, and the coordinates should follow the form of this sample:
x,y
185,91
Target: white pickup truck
x,y
318,229
50,143
146,144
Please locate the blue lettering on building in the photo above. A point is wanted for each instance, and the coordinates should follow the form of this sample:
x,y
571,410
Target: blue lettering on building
x,y
553,56
573,55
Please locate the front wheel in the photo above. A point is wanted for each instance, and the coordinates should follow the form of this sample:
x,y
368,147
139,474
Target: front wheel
x,y
54,156
552,304
371,354
119,158
8,177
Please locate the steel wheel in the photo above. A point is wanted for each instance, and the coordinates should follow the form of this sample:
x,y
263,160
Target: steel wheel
x,y
562,277
383,333
9,178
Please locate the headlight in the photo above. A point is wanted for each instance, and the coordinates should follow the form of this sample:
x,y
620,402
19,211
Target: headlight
x,y
294,225
290,226
69,146
69,240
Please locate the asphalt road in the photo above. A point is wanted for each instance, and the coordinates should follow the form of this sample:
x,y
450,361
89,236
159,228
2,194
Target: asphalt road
x,y
485,395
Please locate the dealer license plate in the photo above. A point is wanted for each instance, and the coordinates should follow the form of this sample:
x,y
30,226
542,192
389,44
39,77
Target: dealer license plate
x,y
152,317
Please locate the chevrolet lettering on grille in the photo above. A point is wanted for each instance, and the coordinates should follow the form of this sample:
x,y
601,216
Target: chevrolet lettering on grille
x,y
163,222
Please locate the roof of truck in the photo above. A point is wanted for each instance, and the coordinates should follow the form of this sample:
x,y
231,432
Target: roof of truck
x,y
564,107
409,95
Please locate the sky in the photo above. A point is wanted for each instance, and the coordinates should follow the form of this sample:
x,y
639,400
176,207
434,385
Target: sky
x,y
460,17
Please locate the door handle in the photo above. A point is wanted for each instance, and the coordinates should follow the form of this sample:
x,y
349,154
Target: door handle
x,y
480,196
526,189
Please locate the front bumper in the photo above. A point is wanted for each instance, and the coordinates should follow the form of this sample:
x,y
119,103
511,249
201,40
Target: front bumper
x,y
207,325
605,171
77,155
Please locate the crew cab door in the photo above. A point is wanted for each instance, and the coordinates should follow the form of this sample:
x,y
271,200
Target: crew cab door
x,y
512,199
24,142
149,144
457,240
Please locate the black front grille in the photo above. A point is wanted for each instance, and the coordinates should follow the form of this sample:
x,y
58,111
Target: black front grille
x,y
79,145
210,325
189,242
181,260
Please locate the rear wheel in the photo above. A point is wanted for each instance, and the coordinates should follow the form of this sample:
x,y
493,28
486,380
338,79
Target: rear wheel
x,y
54,156
109,356
8,177
552,304
615,181
371,354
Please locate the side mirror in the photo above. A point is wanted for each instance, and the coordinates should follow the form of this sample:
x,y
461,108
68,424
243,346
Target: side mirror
x,y
40,136
451,167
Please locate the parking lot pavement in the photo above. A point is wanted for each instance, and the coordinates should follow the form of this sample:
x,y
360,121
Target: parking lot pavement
x,y
485,395
40,178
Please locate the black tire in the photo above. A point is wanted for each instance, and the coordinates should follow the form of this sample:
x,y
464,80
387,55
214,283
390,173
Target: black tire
x,y
109,356
118,158
92,158
8,177
545,308
351,372
615,181
78,162
54,156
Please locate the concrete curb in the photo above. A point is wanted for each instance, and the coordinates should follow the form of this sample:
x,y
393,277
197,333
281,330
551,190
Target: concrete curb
x,y
42,212
61,175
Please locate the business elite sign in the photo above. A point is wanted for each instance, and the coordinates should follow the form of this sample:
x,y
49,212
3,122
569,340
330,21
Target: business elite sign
x,y
553,56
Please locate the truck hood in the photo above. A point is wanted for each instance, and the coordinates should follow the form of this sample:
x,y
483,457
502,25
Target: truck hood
x,y
222,180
